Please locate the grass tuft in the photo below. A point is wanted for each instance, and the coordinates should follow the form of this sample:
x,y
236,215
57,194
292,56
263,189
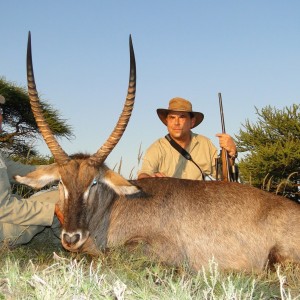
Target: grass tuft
x,y
44,270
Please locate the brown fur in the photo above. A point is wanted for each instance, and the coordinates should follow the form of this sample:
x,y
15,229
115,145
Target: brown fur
x,y
178,221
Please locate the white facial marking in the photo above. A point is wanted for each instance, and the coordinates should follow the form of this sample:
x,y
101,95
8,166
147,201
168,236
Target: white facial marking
x,y
86,193
66,193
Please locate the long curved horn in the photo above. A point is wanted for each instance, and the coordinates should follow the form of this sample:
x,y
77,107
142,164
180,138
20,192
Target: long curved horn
x,y
119,129
58,153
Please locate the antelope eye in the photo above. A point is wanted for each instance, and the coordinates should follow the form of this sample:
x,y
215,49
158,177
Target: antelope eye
x,y
94,182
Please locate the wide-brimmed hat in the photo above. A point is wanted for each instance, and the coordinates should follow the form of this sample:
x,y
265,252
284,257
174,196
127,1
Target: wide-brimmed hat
x,y
179,104
2,99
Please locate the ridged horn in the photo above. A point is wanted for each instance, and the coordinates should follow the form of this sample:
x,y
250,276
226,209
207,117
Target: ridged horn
x,y
58,153
120,127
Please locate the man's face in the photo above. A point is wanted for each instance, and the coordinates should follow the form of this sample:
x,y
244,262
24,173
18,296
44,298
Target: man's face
x,y
179,124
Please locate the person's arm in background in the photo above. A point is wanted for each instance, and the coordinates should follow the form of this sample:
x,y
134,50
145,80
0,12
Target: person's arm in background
x,y
150,165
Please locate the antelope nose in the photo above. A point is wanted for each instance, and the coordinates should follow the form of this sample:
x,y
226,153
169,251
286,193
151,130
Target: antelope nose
x,y
71,238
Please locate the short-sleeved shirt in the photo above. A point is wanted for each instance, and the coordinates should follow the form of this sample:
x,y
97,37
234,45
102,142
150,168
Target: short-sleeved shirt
x,y
162,157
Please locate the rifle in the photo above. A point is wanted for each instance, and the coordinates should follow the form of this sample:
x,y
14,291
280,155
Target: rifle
x,y
229,173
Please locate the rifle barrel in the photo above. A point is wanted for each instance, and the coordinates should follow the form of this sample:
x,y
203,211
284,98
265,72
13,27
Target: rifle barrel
x,y
225,163
222,113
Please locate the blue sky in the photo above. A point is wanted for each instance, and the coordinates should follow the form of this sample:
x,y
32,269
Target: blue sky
x,y
247,50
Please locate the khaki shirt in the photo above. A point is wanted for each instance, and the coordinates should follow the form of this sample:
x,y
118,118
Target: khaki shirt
x,y
162,157
19,215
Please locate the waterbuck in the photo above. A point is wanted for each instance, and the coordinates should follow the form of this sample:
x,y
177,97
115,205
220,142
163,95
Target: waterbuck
x,y
178,221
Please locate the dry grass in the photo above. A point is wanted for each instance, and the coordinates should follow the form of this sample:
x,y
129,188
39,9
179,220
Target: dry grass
x,y
43,270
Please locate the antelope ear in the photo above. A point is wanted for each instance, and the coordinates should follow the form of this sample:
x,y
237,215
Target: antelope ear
x,y
119,184
40,177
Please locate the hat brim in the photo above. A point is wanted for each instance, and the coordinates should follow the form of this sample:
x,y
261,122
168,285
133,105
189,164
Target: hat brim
x,y
162,114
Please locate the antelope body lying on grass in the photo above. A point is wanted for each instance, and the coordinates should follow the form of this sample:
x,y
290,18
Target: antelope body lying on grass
x,y
177,220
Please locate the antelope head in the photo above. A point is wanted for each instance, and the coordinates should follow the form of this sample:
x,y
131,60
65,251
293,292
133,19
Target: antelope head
x,y
78,174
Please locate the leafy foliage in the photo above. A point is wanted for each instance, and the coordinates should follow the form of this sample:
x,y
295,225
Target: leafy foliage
x,y
20,130
272,148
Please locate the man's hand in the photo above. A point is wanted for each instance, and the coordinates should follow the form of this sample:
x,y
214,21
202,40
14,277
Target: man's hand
x,y
226,142
158,174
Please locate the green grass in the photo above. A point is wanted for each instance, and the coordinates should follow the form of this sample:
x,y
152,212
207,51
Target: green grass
x,y
43,270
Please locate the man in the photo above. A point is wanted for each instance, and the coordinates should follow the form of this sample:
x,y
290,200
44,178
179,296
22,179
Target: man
x,y
21,219
163,160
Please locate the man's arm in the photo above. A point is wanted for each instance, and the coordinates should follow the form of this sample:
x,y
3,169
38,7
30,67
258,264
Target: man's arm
x,y
31,211
226,142
145,175
150,163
